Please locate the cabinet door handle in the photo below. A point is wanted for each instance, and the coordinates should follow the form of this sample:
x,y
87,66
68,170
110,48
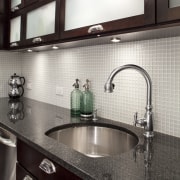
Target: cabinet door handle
x,y
15,44
47,166
95,29
37,40
27,177
14,9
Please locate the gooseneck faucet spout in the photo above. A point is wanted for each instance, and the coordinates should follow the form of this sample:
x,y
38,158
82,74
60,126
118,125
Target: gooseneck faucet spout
x,y
147,121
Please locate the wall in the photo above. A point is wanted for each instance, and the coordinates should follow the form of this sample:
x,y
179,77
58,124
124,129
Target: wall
x,y
160,57
10,63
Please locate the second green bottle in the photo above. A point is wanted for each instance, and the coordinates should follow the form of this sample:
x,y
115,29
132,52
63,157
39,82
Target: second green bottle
x,y
86,102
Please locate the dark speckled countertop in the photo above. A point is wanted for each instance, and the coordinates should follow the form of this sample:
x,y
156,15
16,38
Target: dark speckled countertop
x,y
158,159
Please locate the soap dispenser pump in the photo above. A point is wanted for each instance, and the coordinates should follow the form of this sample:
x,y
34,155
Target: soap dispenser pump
x,y
86,101
75,99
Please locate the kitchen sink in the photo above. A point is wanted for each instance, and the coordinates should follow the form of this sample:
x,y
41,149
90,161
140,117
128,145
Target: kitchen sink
x,y
95,141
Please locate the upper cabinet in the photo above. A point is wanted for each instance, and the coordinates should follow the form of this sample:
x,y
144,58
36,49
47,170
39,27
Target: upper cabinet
x,y
35,25
91,17
168,10
41,22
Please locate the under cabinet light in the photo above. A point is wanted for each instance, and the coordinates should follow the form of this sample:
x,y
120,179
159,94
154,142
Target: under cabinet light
x,y
55,47
29,50
115,39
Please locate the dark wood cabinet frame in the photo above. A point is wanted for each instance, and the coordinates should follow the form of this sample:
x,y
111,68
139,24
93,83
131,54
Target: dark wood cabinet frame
x,y
3,24
148,18
1,30
166,14
21,173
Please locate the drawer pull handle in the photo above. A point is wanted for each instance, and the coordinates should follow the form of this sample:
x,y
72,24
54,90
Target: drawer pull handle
x,y
37,40
15,44
95,29
14,9
27,177
47,166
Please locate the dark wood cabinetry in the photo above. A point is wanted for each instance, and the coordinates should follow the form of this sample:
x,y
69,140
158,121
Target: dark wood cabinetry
x,y
3,23
23,174
166,13
1,30
2,6
137,15
29,161
28,2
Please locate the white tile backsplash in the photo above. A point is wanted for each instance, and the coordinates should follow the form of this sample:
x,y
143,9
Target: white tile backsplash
x,y
159,57
10,63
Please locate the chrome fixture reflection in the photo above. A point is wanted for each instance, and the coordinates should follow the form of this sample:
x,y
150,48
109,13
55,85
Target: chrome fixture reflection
x,y
147,121
147,150
16,112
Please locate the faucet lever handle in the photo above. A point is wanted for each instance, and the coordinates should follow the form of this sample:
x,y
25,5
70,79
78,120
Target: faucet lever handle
x,y
139,122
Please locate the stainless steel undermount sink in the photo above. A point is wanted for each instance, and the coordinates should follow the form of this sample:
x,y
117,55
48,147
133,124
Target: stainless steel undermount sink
x,y
95,141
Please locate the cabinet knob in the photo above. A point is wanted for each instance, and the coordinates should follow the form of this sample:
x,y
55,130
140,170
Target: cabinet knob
x,y
47,166
14,9
27,177
15,44
95,29
37,40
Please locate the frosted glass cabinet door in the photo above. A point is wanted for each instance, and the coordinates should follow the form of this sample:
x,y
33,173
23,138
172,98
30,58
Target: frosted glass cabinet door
x,y
15,29
174,3
111,14
79,13
41,21
168,10
15,3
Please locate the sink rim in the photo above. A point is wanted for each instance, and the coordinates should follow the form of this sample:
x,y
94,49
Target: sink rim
x,y
134,133
110,126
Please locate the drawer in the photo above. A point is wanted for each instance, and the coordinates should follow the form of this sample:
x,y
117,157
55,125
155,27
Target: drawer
x,y
30,159
22,174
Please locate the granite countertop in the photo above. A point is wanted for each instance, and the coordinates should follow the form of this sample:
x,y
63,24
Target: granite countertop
x,y
157,159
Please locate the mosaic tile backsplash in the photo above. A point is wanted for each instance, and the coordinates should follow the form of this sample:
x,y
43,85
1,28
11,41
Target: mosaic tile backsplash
x,y
44,71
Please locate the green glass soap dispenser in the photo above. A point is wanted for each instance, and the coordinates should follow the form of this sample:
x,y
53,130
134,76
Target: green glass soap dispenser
x,y
75,99
86,101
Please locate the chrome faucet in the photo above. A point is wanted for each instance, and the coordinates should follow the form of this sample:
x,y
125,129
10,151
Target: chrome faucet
x,y
147,121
